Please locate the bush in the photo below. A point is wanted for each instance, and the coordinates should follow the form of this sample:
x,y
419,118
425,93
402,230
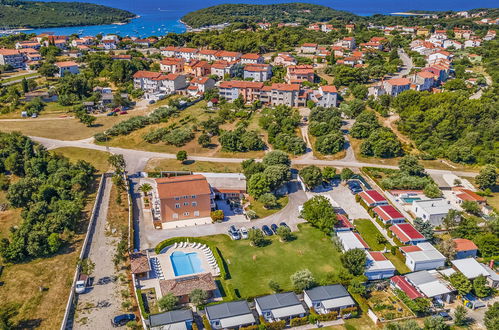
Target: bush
x,y
297,321
328,317
331,143
206,323
217,215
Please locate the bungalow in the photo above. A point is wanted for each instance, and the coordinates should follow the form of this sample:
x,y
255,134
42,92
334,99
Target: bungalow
x,y
350,240
249,90
378,267
431,210
252,59
279,306
430,285
66,67
308,48
465,248
463,195
395,86
329,298
470,268
407,234
401,283
422,256
388,214
343,224
234,314
257,72
180,319
372,198
181,287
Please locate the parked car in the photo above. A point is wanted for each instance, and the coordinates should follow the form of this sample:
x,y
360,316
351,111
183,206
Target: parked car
x,y
82,283
112,113
266,230
283,224
234,233
244,232
445,316
354,187
121,320
274,228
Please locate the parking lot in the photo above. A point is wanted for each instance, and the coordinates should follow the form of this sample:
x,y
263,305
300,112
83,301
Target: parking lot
x,y
344,199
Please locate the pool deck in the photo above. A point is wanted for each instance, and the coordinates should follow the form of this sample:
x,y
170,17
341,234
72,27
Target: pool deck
x,y
167,267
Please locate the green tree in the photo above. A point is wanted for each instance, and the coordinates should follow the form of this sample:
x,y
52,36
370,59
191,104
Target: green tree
x,y
311,176
460,283
54,241
357,286
117,161
471,207
284,233
346,174
24,84
460,316
204,140
258,185
217,216
331,143
320,213
480,287
488,244
277,175
409,164
382,143
48,69
182,156
274,286
355,261
268,200
491,318
198,297
7,314
302,280
168,302
467,228
435,323
448,248
431,190
145,188
328,173
256,237
424,227
276,157
487,177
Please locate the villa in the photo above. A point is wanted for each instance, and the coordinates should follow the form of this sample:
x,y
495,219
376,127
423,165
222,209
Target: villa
x,y
234,314
279,306
182,286
431,210
66,67
329,298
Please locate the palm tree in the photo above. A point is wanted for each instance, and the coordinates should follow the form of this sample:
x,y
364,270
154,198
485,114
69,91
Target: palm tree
x,y
145,188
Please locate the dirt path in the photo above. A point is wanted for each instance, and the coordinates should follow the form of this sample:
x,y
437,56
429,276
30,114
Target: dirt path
x,y
390,123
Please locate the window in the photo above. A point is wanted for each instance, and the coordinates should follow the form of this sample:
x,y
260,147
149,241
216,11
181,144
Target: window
x,y
186,214
177,205
193,196
175,215
177,198
196,213
194,203
185,197
186,203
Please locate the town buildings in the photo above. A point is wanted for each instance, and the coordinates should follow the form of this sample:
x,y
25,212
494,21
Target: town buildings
x,y
431,210
12,57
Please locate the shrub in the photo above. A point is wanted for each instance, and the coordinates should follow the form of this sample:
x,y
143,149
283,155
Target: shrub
x,y
297,321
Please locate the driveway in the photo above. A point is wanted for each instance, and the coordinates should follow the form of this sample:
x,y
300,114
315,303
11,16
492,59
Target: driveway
x,y
346,200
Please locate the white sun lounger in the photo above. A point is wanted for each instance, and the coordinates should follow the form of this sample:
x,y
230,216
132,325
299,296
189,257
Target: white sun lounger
x,y
175,245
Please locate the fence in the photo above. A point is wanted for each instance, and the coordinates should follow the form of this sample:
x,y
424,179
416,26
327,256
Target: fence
x,y
83,253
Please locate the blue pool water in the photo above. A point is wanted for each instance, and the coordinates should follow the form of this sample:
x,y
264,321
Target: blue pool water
x,y
185,263
409,200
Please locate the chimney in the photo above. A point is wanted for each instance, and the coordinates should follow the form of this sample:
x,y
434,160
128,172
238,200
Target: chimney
x,y
491,264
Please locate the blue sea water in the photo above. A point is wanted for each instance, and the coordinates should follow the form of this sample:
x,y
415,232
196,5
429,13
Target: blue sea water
x,y
158,17
185,263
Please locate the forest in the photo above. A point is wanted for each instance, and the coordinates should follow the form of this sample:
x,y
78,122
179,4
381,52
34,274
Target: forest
x,y
34,14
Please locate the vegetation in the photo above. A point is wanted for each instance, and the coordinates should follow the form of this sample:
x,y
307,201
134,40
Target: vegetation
x,y
302,280
35,14
311,176
492,317
355,261
168,302
382,143
320,213
241,140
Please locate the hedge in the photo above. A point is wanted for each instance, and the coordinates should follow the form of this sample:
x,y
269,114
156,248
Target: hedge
x,y
141,304
278,325
224,273
297,321
328,316
206,323
250,327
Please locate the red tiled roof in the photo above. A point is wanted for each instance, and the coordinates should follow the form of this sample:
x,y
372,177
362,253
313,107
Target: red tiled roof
x,y
256,67
463,244
309,45
377,256
146,74
343,222
185,185
200,80
425,74
371,196
66,64
405,286
399,81
406,232
207,52
187,50
5,51
224,53
387,212
241,84
468,195
361,240
250,56
329,89
286,87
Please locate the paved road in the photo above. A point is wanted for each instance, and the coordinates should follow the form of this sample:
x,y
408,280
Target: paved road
x,y
102,301
407,64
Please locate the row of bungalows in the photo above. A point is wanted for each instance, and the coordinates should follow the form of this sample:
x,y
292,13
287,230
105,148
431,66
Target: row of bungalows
x,y
292,95
276,307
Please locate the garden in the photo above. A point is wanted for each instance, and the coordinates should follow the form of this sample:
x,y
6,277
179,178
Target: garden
x,y
387,306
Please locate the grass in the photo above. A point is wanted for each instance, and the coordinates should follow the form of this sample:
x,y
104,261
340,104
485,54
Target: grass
x,y
262,212
493,199
117,214
9,79
369,233
42,308
95,157
251,268
398,262
387,306
193,166
361,323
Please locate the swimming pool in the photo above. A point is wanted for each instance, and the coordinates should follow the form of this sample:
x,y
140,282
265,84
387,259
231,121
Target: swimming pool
x,y
185,263
409,200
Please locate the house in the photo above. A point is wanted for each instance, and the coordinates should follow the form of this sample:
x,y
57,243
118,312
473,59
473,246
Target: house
x,y
187,197
180,319
227,56
229,315
343,224
475,58
284,94
257,72
200,85
308,48
350,27
12,57
170,51
145,80
378,267
424,80
66,67
279,306
207,54
299,73
470,268
422,256
328,298
465,248
463,194
472,43
201,68
172,65
226,185
28,44
221,68
284,59
187,54
401,283
452,43
432,58
108,44
430,285
388,214
431,210
325,96
395,86
350,240
348,42
182,286
249,90
139,263
372,198
252,59
407,234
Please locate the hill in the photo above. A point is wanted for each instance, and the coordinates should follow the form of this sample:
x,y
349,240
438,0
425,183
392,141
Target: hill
x,y
276,13
34,14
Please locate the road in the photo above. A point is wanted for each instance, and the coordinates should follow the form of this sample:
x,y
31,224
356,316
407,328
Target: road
x,y
407,64
12,82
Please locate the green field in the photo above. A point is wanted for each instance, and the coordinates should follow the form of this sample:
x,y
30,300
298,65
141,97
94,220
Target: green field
x,y
95,157
251,268
369,233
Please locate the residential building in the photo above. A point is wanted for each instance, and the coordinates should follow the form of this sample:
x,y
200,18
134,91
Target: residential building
x,y
343,223
372,198
325,96
300,73
170,51
430,285
472,43
252,59
423,80
284,59
67,67
226,185
284,94
442,54
431,210
230,315
249,90
401,283
182,286
221,68
158,83
308,48
463,194
348,42
452,43
279,306
201,68
388,214
328,298
395,86
172,65
28,44
407,234
257,72
207,54
224,55
470,268
12,57
378,267
350,240
109,44
199,85
465,248
187,197
180,319
422,256
186,53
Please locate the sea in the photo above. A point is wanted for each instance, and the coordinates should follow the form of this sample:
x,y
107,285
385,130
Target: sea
x,y
159,17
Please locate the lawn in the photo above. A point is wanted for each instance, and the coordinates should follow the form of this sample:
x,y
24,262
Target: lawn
x,y
12,78
252,268
193,166
369,233
493,199
95,157
398,261
262,212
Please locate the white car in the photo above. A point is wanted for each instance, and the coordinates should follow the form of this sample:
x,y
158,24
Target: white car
x,y
244,232
81,284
